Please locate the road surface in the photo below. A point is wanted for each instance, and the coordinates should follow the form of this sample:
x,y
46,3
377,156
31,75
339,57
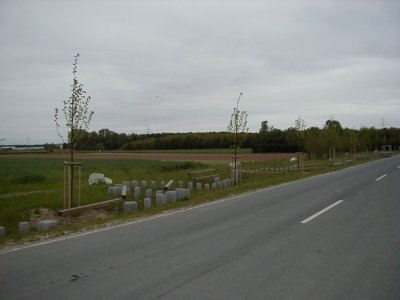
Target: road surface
x,y
335,236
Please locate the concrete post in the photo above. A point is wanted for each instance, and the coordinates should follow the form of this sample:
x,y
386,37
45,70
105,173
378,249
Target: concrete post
x,y
45,225
147,203
23,227
130,206
160,199
187,194
171,196
137,193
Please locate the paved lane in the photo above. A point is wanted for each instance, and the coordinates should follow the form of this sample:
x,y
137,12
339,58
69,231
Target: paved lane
x,y
248,247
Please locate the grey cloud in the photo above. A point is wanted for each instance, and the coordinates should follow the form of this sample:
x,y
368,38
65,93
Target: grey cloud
x,y
171,65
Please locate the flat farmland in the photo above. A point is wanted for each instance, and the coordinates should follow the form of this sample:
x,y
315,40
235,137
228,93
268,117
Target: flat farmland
x,y
178,156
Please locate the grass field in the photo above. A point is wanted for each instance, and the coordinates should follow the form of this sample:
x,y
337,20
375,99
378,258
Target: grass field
x,y
30,187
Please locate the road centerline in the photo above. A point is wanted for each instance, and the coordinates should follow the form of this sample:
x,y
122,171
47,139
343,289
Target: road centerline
x,y
380,177
321,212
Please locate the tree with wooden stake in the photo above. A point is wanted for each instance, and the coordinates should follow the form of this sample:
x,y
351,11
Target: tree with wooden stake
x,y
78,117
238,131
300,126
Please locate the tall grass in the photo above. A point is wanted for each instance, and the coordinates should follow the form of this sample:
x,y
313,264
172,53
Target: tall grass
x,y
27,184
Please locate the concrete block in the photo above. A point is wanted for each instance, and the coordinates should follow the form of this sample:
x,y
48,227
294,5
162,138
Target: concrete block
x,y
179,193
162,184
23,227
147,203
207,186
137,193
198,186
219,184
130,206
134,184
45,225
171,196
187,194
153,185
214,186
190,186
160,199
149,193
144,184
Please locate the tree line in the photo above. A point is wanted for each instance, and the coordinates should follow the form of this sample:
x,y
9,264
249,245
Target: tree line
x,y
314,140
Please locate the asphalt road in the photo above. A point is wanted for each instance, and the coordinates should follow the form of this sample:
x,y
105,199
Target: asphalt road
x,y
335,236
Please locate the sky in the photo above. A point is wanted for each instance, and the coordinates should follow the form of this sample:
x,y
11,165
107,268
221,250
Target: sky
x,y
179,66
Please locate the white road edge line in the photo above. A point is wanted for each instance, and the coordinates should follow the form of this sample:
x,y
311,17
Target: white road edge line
x,y
321,212
379,178
145,219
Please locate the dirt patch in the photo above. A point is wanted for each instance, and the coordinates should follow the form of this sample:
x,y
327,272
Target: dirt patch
x,y
40,214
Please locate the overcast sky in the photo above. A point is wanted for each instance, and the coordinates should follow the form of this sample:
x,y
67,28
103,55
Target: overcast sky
x,y
179,66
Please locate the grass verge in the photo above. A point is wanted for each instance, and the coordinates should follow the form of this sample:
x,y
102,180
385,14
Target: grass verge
x,y
38,195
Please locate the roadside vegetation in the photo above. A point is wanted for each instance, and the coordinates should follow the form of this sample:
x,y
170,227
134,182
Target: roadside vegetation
x,y
314,140
31,189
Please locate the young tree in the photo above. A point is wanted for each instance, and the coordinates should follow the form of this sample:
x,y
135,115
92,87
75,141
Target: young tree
x,y
300,126
76,112
77,117
238,129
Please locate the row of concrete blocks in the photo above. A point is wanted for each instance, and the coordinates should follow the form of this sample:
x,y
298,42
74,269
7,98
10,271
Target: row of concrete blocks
x,y
161,199
137,190
24,227
286,169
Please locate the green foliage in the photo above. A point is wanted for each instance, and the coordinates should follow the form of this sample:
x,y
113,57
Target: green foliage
x,y
238,126
76,112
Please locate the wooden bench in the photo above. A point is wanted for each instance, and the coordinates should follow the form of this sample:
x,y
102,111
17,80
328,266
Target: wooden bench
x,y
202,174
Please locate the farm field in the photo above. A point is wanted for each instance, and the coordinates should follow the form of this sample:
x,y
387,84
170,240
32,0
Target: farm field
x,y
31,185
192,155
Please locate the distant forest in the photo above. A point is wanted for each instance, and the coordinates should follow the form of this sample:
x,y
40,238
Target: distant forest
x,y
315,141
